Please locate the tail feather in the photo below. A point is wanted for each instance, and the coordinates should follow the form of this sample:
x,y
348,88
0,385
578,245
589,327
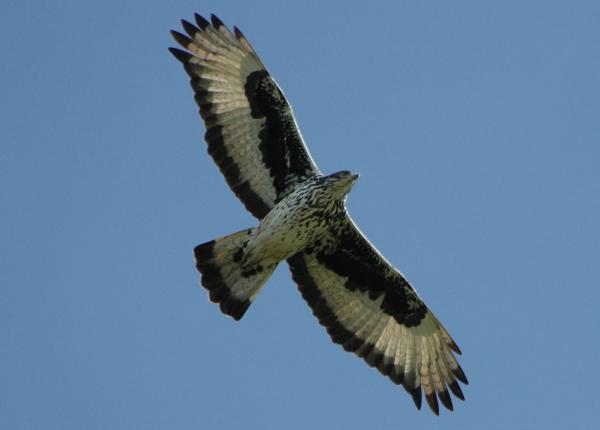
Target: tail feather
x,y
232,286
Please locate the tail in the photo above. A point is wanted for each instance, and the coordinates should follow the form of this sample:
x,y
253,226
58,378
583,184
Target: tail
x,y
229,284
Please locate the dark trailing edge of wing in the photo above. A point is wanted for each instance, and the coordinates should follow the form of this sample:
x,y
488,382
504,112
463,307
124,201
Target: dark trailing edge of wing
x,y
284,157
230,170
339,334
280,161
352,343
211,280
354,259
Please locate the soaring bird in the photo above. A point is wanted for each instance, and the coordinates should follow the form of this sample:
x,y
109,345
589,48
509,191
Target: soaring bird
x,y
365,304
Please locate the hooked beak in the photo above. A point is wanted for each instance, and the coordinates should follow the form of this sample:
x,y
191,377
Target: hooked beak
x,y
350,181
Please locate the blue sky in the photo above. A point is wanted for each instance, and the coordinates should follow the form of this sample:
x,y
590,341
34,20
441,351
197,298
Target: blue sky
x,y
475,127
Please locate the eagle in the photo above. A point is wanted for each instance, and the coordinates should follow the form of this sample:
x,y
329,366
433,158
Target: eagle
x,y
365,304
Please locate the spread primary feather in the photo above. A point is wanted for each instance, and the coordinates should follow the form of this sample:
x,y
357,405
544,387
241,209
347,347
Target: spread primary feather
x,y
365,304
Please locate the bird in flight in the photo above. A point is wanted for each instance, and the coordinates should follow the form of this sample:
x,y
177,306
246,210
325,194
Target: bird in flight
x,y
365,304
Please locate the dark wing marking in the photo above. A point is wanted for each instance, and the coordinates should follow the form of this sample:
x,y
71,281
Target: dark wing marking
x,y
369,308
250,128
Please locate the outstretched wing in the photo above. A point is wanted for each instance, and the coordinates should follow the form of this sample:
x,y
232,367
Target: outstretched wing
x,y
368,307
250,128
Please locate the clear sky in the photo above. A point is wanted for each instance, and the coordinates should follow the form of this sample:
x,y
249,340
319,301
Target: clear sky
x,y
475,127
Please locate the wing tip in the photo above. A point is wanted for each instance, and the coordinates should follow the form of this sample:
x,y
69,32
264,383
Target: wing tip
x,y
416,396
201,21
433,403
181,55
242,39
238,33
446,400
460,375
216,22
455,388
189,28
181,38
454,347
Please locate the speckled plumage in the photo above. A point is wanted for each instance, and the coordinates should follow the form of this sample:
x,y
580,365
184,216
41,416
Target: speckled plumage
x,y
306,214
365,304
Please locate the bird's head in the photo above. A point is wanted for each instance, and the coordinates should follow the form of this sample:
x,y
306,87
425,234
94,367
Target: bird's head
x,y
341,183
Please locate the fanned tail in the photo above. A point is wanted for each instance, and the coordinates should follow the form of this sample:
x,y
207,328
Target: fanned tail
x,y
230,284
